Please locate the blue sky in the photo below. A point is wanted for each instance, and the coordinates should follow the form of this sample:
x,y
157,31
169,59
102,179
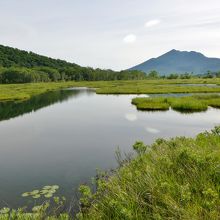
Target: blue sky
x,y
110,33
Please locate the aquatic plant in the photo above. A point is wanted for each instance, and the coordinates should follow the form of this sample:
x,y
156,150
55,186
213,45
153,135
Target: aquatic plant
x,y
51,207
4,210
46,191
140,147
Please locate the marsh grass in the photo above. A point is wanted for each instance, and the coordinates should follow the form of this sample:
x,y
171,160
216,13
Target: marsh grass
x,y
15,92
188,104
151,104
173,179
195,103
155,89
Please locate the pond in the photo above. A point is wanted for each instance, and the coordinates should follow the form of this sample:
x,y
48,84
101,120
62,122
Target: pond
x,y
62,137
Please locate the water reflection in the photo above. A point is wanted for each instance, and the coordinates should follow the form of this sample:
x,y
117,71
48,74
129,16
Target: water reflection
x,y
131,116
152,130
10,110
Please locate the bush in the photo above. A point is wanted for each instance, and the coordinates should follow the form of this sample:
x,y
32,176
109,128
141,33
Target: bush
x,y
176,179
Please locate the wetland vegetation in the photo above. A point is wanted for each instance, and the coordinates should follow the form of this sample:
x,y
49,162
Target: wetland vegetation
x,y
170,179
19,92
194,103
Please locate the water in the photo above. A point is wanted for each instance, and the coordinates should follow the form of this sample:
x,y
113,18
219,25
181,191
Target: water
x,y
62,137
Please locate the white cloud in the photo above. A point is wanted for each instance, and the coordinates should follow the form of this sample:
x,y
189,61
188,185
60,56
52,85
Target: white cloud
x,y
152,23
152,130
131,117
129,39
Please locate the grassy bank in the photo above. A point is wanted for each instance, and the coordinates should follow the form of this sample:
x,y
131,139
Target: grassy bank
x,y
171,179
25,91
174,179
193,103
159,86
20,92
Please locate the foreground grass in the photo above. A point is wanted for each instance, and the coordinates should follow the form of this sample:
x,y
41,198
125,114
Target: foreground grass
x,y
193,103
19,92
174,179
171,179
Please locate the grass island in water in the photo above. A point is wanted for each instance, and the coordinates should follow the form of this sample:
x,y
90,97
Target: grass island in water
x,y
195,103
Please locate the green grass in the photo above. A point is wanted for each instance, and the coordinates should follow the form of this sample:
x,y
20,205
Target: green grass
x,y
15,92
187,104
10,92
158,86
193,103
173,179
158,103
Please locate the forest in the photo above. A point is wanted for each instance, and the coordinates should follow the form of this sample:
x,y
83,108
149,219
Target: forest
x,y
18,66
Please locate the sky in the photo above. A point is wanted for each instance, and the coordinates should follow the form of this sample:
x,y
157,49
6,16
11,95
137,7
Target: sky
x,y
115,34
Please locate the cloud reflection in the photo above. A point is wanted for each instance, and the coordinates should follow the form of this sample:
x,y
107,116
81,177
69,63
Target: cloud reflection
x,y
131,117
152,130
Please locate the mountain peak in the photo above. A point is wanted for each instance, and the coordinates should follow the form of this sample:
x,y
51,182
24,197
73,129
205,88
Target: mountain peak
x,y
171,52
174,51
176,61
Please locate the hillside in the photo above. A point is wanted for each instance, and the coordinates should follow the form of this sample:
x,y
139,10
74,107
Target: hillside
x,y
19,66
180,62
14,57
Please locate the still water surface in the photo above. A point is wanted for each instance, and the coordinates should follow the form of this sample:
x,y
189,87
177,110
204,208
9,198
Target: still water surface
x,y
62,137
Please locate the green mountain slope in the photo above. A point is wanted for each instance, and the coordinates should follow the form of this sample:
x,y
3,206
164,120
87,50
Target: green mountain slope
x,y
14,57
18,66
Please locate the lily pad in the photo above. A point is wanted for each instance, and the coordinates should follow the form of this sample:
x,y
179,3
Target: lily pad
x,y
47,187
44,191
52,191
55,187
49,195
26,194
35,192
36,196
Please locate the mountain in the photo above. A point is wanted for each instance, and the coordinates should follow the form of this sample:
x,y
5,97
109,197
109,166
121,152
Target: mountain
x,y
180,62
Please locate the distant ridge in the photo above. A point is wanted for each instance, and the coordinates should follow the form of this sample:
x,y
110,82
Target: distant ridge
x,y
176,61
10,56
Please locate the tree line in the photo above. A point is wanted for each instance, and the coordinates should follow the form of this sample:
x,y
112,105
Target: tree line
x,y
18,66
48,74
155,75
